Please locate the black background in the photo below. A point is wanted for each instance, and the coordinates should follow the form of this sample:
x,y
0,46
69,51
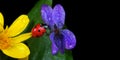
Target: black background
x,y
76,20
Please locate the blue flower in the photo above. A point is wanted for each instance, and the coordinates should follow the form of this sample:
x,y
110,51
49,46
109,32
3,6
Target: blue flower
x,y
61,38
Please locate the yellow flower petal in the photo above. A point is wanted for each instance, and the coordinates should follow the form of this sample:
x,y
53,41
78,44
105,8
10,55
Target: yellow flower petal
x,y
21,38
1,19
26,58
17,51
18,25
1,28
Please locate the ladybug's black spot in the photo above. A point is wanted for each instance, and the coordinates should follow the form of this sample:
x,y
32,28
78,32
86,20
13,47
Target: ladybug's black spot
x,y
38,30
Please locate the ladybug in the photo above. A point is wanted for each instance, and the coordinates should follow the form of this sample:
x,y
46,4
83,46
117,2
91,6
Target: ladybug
x,y
38,30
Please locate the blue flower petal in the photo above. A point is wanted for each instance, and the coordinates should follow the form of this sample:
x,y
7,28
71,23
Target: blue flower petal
x,y
58,16
54,47
57,42
69,38
46,13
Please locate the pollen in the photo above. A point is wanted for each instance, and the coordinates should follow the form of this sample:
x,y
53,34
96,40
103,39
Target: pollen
x,y
4,41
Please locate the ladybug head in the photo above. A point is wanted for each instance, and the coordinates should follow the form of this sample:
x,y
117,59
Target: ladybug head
x,y
38,30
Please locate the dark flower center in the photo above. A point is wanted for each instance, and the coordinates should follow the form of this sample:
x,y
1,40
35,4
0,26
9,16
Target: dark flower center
x,y
56,30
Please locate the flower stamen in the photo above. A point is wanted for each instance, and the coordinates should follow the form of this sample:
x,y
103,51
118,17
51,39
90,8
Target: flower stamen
x,y
4,40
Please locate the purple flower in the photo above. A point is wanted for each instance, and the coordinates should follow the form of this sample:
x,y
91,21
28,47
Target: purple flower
x,y
55,18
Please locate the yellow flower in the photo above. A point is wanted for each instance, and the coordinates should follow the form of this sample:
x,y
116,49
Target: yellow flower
x,y
11,40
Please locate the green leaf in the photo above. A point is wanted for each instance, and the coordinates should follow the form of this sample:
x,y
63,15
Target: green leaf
x,y
41,47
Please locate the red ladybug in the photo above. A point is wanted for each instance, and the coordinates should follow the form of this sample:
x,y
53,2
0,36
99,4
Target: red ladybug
x,y
38,30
